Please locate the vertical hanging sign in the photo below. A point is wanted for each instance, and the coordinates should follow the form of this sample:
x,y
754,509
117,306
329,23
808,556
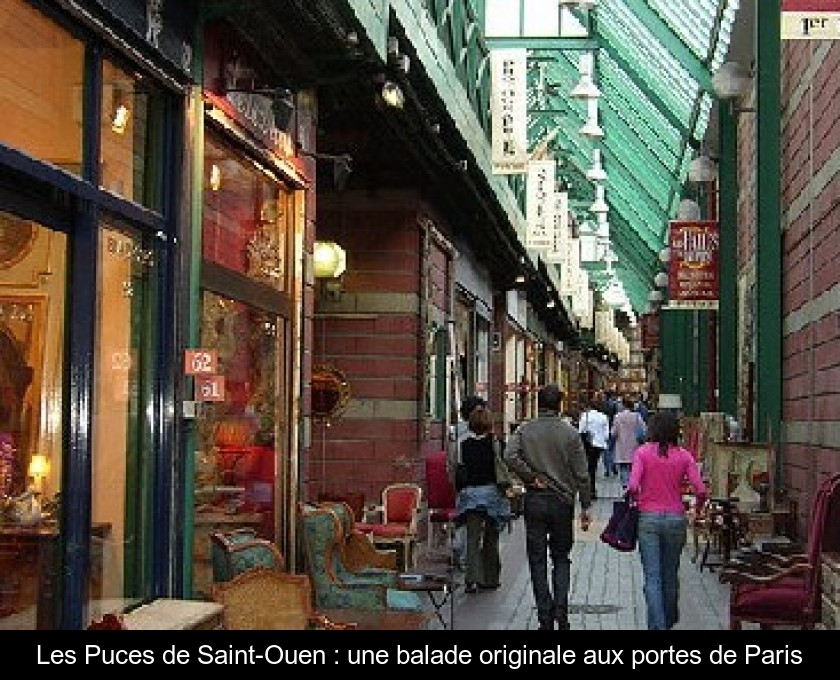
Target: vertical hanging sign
x,y
693,264
557,254
508,111
810,19
540,205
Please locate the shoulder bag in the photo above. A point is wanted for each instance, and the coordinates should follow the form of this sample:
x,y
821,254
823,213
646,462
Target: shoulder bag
x,y
641,430
503,476
622,529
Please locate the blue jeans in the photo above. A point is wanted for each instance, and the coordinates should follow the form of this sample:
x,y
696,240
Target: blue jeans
x,y
662,537
609,457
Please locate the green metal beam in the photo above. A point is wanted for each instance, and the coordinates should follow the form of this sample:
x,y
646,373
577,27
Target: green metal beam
x,y
558,44
768,234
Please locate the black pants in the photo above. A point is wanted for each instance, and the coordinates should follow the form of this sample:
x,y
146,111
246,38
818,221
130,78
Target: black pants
x,y
483,564
593,455
548,533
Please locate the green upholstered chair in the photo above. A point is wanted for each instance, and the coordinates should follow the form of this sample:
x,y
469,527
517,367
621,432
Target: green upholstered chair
x,y
321,534
235,552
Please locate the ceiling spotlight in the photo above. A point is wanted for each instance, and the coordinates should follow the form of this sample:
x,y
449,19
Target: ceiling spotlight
x,y
731,80
596,173
702,169
586,88
689,210
600,203
590,127
392,94
549,304
660,280
655,297
665,255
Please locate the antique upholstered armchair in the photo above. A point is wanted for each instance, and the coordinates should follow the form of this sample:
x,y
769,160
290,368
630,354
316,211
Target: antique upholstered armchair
x,y
440,495
234,552
400,511
335,587
263,599
358,553
785,590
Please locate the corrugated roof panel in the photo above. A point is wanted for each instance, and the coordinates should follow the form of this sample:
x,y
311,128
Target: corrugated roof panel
x,y
671,81
694,22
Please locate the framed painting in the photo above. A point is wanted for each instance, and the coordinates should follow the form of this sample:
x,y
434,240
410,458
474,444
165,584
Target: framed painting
x,y
739,470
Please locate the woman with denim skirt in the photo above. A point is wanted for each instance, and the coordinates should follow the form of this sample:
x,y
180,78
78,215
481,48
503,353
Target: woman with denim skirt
x,y
656,481
481,506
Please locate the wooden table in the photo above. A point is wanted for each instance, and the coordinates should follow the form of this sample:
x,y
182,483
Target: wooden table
x,y
379,619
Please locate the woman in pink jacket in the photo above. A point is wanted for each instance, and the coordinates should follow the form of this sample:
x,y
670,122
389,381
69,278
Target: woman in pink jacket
x,y
656,482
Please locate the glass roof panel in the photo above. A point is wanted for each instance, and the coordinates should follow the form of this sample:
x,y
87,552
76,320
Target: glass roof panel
x,y
653,68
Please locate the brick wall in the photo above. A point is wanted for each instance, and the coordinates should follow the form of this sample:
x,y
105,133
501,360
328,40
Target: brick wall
x,y
375,333
810,275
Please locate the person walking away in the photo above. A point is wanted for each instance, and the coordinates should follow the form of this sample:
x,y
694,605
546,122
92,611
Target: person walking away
x,y
611,405
459,433
594,421
656,482
547,454
482,506
625,430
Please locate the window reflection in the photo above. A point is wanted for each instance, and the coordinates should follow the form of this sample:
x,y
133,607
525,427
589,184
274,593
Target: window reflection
x,y
122,454
41,97
31,392
131,136
236,458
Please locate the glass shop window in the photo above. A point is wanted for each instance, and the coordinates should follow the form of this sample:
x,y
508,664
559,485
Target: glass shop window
x,y
123,461
131,130
248,217
32,298
41,70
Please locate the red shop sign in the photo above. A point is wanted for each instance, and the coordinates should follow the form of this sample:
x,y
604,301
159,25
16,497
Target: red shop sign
x,y
693,265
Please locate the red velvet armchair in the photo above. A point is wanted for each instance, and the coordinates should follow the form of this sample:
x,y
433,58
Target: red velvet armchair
x,y
400,511
440,494
784,590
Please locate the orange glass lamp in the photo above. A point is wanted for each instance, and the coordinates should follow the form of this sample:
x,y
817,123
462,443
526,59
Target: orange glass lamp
x,y
39,468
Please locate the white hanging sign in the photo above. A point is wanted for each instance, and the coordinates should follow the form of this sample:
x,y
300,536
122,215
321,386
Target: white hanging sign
x,y
560,244
540,205
508,111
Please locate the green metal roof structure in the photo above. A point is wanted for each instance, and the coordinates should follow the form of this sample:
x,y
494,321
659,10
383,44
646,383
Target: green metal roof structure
x,y
652,62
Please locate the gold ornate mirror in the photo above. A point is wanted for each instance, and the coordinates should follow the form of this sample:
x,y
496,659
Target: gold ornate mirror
x,y
330,391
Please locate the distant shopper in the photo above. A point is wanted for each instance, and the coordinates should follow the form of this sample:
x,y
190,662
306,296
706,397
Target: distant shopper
x,y
610,405
626,429
594,422
547,455
656,481
483,508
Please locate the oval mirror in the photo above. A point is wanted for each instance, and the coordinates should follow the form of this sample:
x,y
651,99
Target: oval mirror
x,y
330,391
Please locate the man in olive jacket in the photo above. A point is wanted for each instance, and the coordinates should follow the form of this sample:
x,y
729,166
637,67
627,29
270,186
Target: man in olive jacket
x,y
548,456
